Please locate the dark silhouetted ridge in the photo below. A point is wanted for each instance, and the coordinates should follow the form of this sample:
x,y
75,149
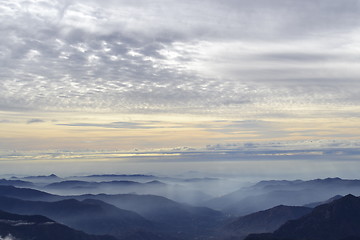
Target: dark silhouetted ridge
x,y
91,216
315,204
37,227
26,193
19,183
337,220
265,221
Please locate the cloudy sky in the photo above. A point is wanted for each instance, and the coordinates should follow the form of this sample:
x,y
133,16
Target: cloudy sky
x,y
162,74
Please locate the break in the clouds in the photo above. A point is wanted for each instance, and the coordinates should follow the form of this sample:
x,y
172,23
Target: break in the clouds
x,y
180,56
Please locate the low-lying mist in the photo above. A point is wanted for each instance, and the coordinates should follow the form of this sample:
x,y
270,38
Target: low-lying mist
x,y
179,206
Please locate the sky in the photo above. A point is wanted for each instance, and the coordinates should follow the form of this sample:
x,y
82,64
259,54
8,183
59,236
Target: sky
x,y
278,77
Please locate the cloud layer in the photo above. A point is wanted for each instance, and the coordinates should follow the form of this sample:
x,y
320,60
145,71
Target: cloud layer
x,y
169,56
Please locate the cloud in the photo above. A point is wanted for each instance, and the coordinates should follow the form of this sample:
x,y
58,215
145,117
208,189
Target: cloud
x,y
8,237
335,150
35,120
327,150
126,125
202,57
5,121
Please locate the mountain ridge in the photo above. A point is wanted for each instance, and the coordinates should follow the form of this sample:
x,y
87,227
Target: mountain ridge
x,y
29,227
337,220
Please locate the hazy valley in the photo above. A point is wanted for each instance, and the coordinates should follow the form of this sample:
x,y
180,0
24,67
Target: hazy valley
x,y
148,207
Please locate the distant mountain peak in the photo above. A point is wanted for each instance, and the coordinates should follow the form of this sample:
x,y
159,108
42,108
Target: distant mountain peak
x,y
157,182
51,176
120,175
350,196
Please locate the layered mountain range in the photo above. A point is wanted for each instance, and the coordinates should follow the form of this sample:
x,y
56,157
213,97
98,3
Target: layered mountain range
x,y
294,210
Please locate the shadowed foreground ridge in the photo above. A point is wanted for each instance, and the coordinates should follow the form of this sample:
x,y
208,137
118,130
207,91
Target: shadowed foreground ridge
x,y
37,227
338,220
91,216
264,221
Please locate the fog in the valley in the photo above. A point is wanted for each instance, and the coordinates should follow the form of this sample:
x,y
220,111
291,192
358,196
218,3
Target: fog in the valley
x,y
193,204
233,192
173,195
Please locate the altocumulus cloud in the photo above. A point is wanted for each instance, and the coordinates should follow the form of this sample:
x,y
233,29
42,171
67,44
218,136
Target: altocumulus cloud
x,y
171,56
